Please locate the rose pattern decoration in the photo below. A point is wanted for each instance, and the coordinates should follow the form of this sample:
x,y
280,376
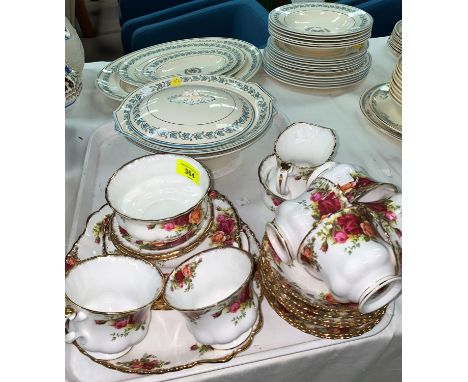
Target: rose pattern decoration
x,y
345,227
237,305
358,185
224,231
181,223
99,229
70,261
184,275
202,349
129,322
147,362
324,200
386,211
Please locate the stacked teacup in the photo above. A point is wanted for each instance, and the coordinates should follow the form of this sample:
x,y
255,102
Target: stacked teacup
x,y
298,151
318,45
332,256
161,199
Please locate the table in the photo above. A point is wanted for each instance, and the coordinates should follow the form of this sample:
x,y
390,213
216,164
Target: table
x,y
370,359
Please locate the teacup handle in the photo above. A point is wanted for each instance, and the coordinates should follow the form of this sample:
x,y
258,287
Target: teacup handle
x,y
244,241
71,315
282,178
315,174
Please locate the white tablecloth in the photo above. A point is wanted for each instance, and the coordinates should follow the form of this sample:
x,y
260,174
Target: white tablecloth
x,y
377,358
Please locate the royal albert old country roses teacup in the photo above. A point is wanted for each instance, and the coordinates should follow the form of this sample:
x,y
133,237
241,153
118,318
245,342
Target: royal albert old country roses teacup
x,y
345,252
294,218
109,302
353,182
160,198
213,290
299,150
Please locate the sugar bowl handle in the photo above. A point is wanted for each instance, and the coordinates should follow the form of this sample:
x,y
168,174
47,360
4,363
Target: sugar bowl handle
x,y
71,315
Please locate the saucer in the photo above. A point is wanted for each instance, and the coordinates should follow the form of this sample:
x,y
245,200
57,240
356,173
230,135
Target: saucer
x,y
121,239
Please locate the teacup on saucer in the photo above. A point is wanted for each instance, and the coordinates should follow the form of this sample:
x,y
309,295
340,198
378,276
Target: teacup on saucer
x,y
160,197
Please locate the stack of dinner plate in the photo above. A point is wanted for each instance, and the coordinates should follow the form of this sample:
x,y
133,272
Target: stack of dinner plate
x,y
318,45
381,105
201,56
394,41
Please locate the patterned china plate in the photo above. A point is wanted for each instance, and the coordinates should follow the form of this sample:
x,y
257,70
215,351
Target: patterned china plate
x,y
195,115
168,327
108,81
367,102
320,19
156,63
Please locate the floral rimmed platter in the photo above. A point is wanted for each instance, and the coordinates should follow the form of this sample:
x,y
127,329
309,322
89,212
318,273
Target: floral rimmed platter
x,y
379,108
153,355
319,19
199,115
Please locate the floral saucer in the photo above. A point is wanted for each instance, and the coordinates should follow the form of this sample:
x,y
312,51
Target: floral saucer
x,y
152,355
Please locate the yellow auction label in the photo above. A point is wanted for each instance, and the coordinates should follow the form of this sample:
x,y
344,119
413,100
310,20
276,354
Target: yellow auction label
x,y
186,169
176,81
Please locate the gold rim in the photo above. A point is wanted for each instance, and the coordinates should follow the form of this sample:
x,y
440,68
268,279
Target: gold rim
x,y
119,312
325,333
208,189
275,152
199,254
170,255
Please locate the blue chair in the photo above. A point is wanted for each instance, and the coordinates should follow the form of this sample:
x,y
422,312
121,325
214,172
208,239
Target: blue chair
x,y
132,25
242,19
385,13
130,9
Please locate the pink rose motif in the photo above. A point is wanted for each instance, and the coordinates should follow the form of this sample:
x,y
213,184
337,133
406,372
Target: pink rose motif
x,y
350,224
182,220
119,324
226,225
276,201
245,294
234,307
340,237
363,182
169,226
389,215
316,196
329,204
377,206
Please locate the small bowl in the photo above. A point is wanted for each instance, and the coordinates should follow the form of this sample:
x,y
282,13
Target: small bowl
x,y
160,198
213,290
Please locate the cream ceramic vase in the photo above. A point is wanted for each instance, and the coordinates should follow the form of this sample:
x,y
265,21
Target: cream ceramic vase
x,y
295,218
108,303
213,290
345,252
